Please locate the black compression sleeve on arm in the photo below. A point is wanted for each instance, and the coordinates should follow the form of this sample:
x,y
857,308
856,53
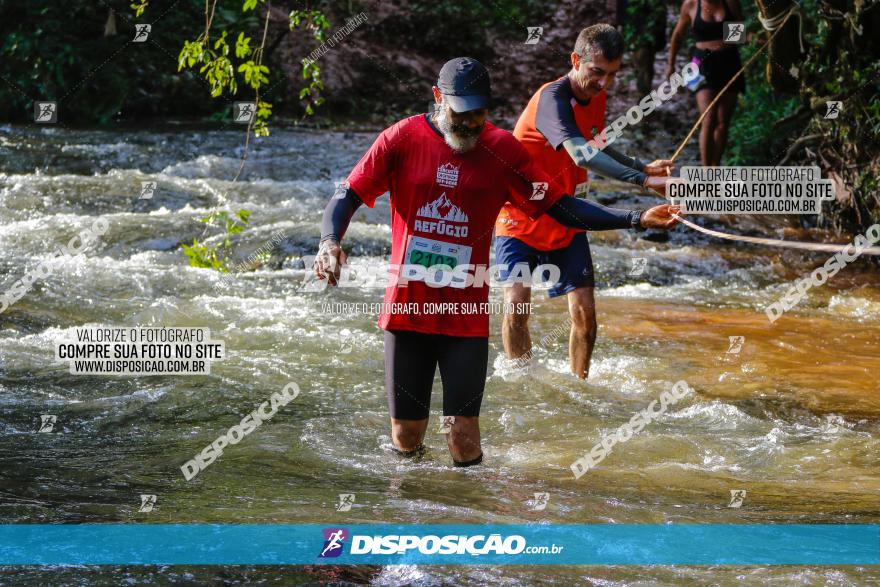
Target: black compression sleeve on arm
x,y
606,164
631,162
614,164
337,215
577,213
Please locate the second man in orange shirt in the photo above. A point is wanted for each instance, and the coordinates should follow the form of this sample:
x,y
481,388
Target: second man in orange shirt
x,y
554,128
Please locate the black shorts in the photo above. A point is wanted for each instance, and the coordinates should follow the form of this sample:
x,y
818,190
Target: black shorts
x,y
719,66
411,359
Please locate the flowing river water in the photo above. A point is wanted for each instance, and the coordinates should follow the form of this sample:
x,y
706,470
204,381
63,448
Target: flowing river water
x,y
793,418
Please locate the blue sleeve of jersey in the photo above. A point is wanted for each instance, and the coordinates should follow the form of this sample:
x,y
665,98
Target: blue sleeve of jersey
x,y
554,117
337,215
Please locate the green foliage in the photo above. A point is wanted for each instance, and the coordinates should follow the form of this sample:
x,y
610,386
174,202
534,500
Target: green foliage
x,y
224,75
311,71
843,67
840,65
97,77
139,7
754,137
64,54
254,74
218,69
645,24
203,255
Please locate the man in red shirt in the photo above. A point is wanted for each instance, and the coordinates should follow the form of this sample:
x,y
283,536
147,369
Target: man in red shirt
x,y
559,120
449,174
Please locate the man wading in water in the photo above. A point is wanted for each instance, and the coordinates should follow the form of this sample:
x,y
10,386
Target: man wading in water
x,y
449,174
559,120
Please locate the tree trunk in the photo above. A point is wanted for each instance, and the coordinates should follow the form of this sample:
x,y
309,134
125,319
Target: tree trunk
x,y
785,49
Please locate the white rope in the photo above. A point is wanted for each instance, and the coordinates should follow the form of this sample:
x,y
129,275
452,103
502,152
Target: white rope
x,y
828,248
773,23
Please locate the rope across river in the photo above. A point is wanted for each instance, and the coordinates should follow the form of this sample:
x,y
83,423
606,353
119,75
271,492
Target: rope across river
x,y
822,247
774,25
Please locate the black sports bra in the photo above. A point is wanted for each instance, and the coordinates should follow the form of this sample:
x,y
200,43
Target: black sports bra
x,y
711,30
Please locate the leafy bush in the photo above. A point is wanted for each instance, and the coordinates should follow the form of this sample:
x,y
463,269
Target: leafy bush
x,y
217,257
60,52
754,136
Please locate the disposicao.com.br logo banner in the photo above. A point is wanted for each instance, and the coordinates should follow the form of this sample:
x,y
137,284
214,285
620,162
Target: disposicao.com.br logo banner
x,y
546,544
426,544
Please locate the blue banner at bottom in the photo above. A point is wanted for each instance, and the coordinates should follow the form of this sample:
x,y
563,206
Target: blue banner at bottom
x,y
561,544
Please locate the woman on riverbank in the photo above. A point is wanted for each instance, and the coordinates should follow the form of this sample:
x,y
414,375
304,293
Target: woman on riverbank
x,y
718,63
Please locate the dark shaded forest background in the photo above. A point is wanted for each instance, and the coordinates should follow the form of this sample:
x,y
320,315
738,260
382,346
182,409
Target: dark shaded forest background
x,y
80,53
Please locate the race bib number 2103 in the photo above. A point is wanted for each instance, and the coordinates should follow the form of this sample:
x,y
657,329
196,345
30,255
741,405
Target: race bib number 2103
x,y
422,254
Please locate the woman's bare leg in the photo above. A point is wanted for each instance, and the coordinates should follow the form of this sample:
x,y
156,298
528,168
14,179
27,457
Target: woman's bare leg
x,y
724,114
707,134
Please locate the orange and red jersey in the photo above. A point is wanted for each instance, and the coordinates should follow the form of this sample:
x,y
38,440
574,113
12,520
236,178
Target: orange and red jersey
x,y
552,116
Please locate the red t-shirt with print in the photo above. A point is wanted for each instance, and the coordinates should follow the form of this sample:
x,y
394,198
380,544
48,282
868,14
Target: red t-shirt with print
x,y
443,209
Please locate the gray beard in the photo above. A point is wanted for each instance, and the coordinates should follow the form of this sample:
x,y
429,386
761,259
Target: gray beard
x,y
456,142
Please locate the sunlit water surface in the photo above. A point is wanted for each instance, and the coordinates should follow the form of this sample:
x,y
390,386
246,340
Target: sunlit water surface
x,y
793,418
